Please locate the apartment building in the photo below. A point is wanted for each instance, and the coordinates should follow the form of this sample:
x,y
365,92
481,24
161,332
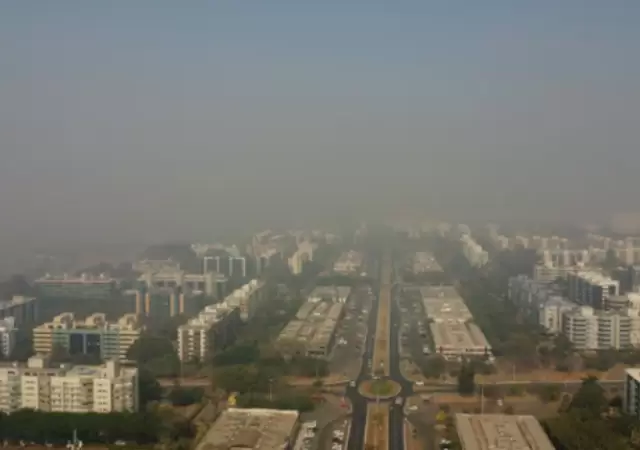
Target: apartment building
x,y
589,329
73,389
208,332
85,286
215,326
8,333
247,298
92,336
591,288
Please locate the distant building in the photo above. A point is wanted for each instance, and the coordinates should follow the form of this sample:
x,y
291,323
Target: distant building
x,y
7,336
500,432
349,263
166,302
85,286
206,283
252,429
92,336
23,310
68,388
591,288
337,294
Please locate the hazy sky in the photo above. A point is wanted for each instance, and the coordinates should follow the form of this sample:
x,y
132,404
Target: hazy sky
x,y
125,120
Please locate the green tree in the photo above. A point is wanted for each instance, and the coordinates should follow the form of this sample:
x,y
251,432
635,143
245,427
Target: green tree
x,y
466,380
590,400
149,347
149,389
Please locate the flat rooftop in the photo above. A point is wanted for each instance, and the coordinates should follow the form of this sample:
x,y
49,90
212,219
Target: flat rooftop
x,y
458,336
255,428
501,432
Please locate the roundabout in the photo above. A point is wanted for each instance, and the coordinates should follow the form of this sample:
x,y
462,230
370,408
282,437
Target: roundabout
x,y
381,389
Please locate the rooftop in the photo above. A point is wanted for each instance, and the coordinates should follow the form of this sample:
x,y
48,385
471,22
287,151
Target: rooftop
x,y
501,432
264,429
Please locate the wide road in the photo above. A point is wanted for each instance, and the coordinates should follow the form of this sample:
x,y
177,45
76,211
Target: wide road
x,y
384,287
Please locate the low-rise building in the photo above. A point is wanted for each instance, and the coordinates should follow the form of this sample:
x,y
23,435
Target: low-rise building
x,y
68,388
166,302
336,294
444,304
424,262
92,336
85,286
312,332
349,263
501,432
252,429
459,340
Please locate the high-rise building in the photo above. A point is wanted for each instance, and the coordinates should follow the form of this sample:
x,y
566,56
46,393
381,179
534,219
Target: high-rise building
x,y
23,310
166,302
92,336
591,288
71,389
631,397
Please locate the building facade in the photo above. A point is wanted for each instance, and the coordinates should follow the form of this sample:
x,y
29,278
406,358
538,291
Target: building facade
x,y
92,336
8,333
82,287
72,389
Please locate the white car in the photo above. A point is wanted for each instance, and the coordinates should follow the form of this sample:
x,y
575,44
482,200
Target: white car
x,y
413,408
352,383
420,383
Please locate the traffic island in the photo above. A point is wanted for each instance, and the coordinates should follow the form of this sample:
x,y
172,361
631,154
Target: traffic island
x,y
379,389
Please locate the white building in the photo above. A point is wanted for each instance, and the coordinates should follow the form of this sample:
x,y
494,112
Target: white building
x,y
77,389
348,263
589,329
213,327
7,336
473,251
302,255
631,397
205,283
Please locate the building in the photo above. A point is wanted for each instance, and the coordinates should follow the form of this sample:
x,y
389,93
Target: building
x,y
155,265
590,329
24,310
195,283
551,313
631,397
459,340
336,294
443,304
549,274
166,302
213,329
501,432
68,388
92,336
312,332
253,428
247,298
348,263
85,286
591,288
475,254
8,333
424,262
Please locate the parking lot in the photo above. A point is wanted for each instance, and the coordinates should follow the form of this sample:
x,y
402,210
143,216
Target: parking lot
x,y
336,436
414,333
346,359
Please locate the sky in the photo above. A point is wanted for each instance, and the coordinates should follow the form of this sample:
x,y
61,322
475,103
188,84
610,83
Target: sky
x,y
158,120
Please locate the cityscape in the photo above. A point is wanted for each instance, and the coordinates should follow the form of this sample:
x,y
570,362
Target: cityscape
x,y
325,225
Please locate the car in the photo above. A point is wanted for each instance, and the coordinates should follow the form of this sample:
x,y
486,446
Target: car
x,y
399,400
413,408
352,383
419,383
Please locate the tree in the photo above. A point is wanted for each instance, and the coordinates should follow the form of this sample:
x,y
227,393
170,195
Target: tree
x,y
434,367
185,396
149,347
589,401
149,389
466,380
